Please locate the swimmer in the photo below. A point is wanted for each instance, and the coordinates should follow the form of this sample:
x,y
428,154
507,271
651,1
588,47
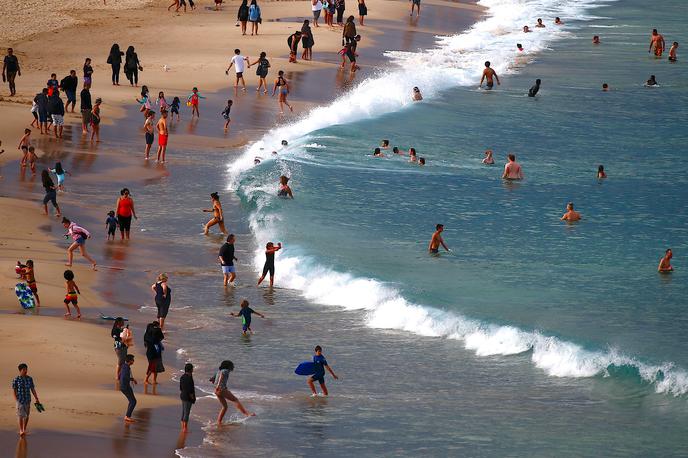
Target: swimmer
x,y
601,173
384,144
489,160
672,52
665,262
488,74
596,40
256,160
526,29
605,87
274,153
396,150
412,154
557,21
421,161
436,240
378,153
519,46
285,143
512,169
539,23
657,43
571,215
284,190
651,82
532,92
417,95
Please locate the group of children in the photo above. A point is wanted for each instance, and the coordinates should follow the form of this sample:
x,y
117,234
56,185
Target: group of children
x,y
27,273
413,156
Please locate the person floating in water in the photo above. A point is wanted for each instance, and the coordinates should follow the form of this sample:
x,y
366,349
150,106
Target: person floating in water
x,y
665,262
269,266
571,215
384,144
605,87
417,96
526,29
652,81
488,74
557,21
378,153
512,169
519,46
436,240
601,174
319,376
540,24
532,92
489,160
421,161
596,39
657,43
284,189
672,52
245,314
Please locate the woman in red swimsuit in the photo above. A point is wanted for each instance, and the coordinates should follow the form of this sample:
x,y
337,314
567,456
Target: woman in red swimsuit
x,y
125,210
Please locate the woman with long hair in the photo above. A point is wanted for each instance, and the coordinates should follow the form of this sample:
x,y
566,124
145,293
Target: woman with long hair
x,y
115,60
254,17
152,340
132,66
242,15
223,394
283,86
262,71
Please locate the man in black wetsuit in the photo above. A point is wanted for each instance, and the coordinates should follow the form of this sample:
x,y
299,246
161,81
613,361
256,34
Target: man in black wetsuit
x,y
534,90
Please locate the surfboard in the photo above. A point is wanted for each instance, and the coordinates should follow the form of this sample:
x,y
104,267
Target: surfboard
x,y
110,318
25,296
305,368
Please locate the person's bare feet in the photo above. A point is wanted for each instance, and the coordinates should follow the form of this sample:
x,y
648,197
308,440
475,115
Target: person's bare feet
x,y
129,420
95,267
68,265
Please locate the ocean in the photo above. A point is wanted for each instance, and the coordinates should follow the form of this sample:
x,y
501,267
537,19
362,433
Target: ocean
x,y
533,337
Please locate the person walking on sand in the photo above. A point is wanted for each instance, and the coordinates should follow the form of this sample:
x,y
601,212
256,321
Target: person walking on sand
x,y
149,129
227,258
162,137
152,340
223,394
115,61
50,193
316,8
242,15
319,376
269,266
571,215
125,211
657,43
187,394
262,71
489,74
69,85
125,379
79,236
132,66
86,108
436,240
363,12
238,62
283,85
218,215
665,262
120,345
10,70
512,169
56,109
163,298
254,17
72,295
22,388
415,4
95,120
245,314
88,73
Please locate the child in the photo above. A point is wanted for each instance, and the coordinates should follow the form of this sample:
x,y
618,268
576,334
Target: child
x,y
30,277
19,269
52,85
25,141
72,291
32,159
174,108
34,112
421,161
284,189
150,132
319,376
245,314
601,173
60,174
225,114
270,250
111,224
95,120
192,101
489,160
161,102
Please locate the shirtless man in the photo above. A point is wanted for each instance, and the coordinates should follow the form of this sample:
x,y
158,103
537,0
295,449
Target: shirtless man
x,y
162,136
672,52
218,215
436,240
657,43
488,74
571,215
539,23
512,169
150,131
665,262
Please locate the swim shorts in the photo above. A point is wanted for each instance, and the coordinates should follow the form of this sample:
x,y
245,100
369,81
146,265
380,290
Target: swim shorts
x,y
58,120
23,410
490,84
149,138
228,269
162,140
435,251
240,74
70,297
71,96
320,378
86,117
269,268
416,2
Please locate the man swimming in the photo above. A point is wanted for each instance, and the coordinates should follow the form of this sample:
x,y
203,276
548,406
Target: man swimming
x,y
532,92
571,215
488,74
665,262
436,240
512,169
539,23
657,43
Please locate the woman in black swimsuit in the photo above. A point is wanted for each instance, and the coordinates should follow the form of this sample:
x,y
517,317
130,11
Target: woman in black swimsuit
x,y
270,250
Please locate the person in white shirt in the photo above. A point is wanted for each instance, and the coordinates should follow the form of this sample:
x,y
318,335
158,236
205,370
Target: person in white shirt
x,y
316,7
238,61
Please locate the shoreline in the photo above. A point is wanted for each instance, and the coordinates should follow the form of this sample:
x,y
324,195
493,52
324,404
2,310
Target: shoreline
x,y
105,290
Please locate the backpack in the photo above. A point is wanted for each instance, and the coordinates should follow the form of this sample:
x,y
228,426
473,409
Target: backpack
x,y
262,67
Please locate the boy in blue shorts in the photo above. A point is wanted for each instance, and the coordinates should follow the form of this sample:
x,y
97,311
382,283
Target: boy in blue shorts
x,y
319,376
245,314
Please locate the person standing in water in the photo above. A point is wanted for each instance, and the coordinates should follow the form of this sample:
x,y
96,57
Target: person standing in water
x,y
488,74
672,52
163,133
245,314
163,298
150,132
571,215
665,262
187,395
601,174
218,215
656,43
532,92
283,86
436,240
223,394
125,211
227,258
269,266
512,169
284,189
319,376
489,160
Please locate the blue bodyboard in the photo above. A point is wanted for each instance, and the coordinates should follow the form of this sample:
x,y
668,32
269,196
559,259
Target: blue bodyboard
x,y
305,368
